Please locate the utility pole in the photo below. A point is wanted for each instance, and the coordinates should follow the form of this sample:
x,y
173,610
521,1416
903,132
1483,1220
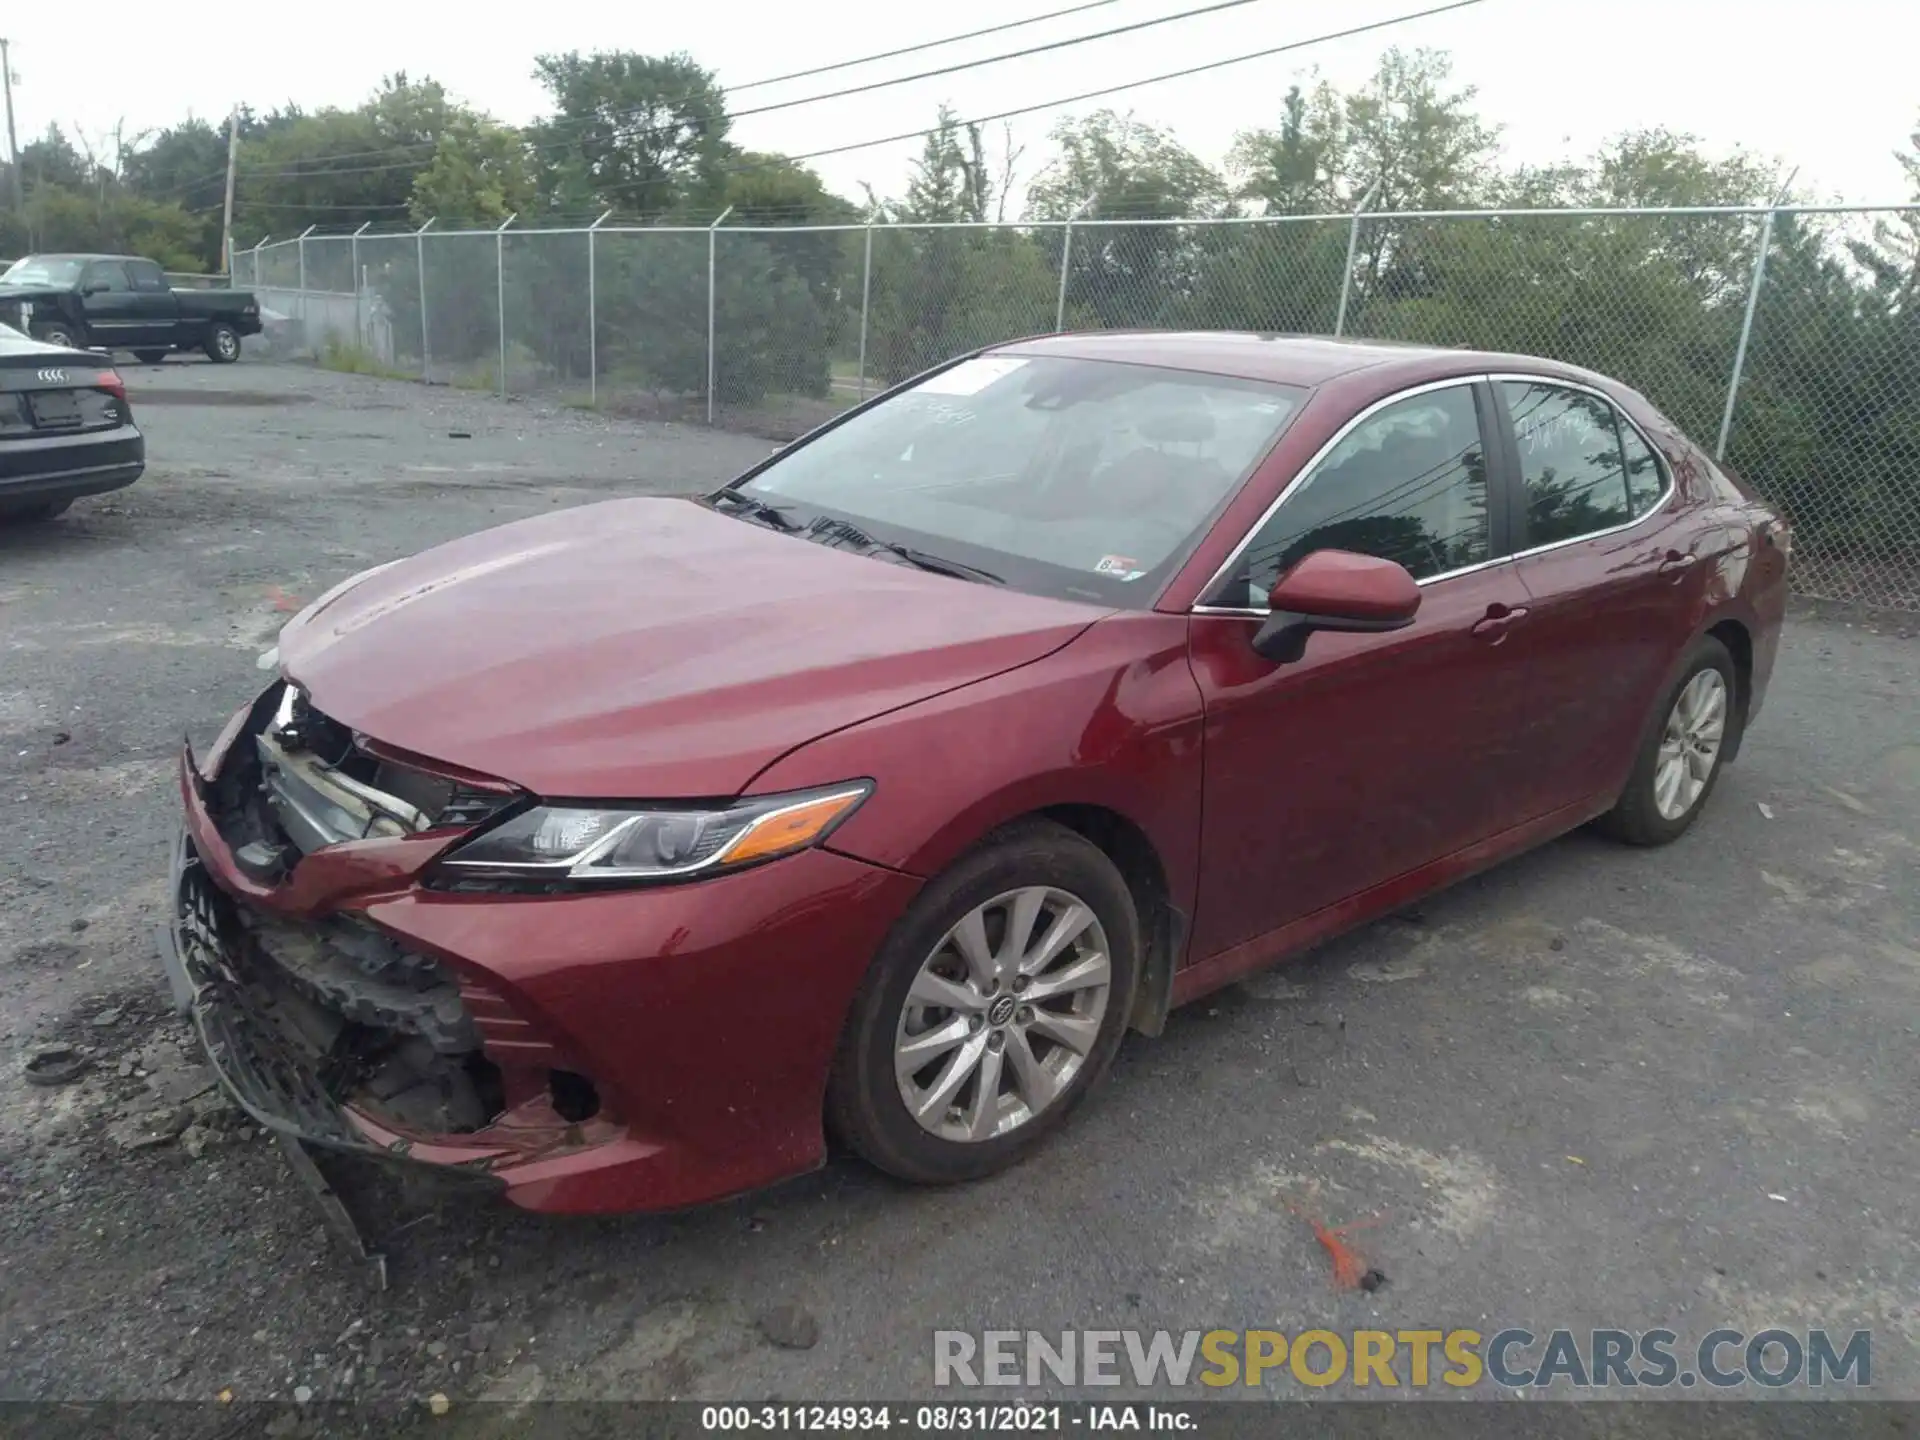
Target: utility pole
x,y
226,216
13,145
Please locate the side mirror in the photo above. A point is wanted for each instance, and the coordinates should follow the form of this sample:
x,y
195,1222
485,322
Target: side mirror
x,y
1335,590
93,287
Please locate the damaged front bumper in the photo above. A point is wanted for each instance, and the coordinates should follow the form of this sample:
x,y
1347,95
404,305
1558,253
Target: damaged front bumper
x,y
629,1049
276,1085
231,997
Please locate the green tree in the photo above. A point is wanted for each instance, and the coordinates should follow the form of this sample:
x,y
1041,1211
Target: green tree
x,y
53,160
480,172
1298,169
1827,423
937,293
1893,257
1406,140
644,134
1130,170
773,190
1126,274
184,164
341,168
111,220
1420,142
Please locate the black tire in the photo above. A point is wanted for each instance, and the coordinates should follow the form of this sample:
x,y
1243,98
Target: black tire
x,y
1635,818
59,332
151,357
865,1108
32,514
223,344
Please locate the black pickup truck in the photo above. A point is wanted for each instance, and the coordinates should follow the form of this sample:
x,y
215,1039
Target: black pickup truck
x,y
121,302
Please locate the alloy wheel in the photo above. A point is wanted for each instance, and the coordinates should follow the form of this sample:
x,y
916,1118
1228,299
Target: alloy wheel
x,y
1690,745
1003,1014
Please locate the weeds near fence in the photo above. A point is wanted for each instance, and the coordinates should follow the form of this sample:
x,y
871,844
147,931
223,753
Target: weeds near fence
x,y
357,360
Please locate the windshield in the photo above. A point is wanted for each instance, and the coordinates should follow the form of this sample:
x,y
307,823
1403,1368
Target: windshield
x,y
42,270
1087,479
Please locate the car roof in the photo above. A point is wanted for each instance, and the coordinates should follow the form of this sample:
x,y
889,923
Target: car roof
x,y
1303,360
76,255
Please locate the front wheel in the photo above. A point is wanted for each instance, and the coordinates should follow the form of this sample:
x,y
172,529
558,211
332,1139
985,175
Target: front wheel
x,y
150,357
1681,757
223,344
992,1009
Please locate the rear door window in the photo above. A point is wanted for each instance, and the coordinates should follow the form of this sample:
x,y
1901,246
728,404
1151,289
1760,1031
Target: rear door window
x,y
147,277
1570,460
107,275
1646,481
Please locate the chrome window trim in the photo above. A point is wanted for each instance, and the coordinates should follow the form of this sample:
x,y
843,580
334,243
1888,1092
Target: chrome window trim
x,y
1489,377
1307,469
1660,463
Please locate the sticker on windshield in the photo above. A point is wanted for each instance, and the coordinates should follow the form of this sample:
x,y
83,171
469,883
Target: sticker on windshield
x,y
969,377
1120,567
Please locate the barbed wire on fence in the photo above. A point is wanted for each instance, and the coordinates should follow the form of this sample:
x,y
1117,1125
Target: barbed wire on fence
x,y
1785,338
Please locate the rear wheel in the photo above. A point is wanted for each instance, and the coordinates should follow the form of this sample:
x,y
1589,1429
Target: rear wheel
x,y
1680,758
59,332
150,357
993,1008
223,344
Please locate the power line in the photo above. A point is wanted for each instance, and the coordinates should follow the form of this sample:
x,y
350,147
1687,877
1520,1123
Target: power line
x,y
791,75
1084,95
1136,84
997,59
923,45
1072,99
562,145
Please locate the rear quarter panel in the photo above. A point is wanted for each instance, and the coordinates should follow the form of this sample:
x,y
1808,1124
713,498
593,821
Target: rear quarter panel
x,y
1738,538
201,307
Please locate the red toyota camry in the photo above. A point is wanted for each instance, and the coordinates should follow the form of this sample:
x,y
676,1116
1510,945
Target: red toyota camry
x,y
624,853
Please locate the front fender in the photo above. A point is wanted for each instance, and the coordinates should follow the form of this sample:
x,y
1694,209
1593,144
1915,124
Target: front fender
x,y
1112,720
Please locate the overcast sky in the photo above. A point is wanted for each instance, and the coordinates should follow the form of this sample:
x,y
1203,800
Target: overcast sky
x,y
1830,87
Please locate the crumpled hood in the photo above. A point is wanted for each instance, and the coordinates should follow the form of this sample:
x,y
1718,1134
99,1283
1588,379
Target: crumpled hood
x,y
645,649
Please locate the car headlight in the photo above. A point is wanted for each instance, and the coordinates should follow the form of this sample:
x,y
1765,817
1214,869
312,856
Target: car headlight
x,y
578,843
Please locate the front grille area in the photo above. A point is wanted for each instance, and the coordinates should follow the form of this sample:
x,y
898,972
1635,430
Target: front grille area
x,y
298,781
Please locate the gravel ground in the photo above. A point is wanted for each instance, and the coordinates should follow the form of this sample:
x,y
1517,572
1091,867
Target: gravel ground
x,y
1598,1087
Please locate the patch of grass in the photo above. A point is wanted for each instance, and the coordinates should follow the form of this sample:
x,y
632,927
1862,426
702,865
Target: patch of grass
x,y
486,379
580,400
357,360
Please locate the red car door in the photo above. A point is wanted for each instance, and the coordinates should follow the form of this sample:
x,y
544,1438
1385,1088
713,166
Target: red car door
x,y
1609,557
1372,754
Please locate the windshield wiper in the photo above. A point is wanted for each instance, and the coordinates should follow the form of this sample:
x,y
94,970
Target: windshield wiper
x,y
775,515
940,565
827,527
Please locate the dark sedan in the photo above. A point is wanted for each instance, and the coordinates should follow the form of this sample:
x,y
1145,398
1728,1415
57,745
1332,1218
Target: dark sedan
x,y
66,429
620,853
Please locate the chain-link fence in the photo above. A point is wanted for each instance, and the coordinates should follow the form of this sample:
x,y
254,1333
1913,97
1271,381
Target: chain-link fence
x,y
1785,340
